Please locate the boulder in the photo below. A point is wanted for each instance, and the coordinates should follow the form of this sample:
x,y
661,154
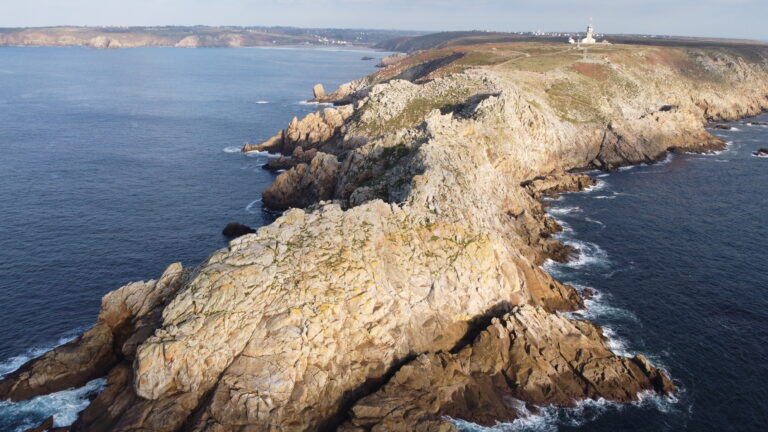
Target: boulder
x,y
236,229
303,184
319,91
763,152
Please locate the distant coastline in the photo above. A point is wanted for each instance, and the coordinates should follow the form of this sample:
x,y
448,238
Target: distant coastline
x,y
195,37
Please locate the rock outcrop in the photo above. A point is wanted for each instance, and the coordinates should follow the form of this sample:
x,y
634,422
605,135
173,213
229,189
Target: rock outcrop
x,y
418,227
529,356
763,152
128,316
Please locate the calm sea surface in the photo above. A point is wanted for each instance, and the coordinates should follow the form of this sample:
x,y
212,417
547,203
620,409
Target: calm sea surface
x,y
113,164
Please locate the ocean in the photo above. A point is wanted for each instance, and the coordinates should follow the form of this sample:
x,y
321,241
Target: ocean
x,y
116,163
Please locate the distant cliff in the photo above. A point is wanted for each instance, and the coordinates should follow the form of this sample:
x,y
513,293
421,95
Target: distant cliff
x,y
406,288
190,37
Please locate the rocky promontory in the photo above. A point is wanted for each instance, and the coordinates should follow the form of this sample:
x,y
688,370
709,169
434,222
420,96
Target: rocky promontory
x,y
403,286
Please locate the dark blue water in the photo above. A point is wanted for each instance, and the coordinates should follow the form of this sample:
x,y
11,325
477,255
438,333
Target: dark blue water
x,y
113,165
677,253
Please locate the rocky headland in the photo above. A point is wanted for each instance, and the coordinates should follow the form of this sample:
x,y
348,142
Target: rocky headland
x,y
403,286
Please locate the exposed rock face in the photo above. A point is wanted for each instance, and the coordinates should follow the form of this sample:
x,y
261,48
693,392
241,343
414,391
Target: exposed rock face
x,y
128,315
528,356
319,91
421,225
315,131
303,184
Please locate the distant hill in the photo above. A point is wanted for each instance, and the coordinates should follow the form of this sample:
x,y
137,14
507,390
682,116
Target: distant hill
x,y
196,36
414,43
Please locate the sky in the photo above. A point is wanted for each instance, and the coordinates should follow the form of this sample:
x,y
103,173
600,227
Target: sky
x,y
714,18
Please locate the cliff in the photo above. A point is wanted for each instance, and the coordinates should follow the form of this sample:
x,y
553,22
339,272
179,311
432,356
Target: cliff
x,y
190,37
408,287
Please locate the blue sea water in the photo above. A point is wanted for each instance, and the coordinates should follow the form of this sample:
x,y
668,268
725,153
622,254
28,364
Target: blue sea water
x,y
676,253
113,164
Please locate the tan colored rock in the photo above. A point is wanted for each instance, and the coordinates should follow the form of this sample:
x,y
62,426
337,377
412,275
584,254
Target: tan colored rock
x,y
319,91
528,356
303,184
124,314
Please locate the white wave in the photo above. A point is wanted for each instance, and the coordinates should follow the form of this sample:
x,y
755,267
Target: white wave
x,y
254,206
261,102
315,103
64,406
280,171
590,254
596,222
616,344
604,197
601,184
563,210
627,168
760,155
232,149
604,175
257,153
9,365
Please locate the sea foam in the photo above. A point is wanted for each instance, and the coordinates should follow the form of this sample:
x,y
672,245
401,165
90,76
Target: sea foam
x,y
64,406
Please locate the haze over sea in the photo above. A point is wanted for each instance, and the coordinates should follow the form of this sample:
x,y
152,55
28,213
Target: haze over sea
x,y
113,164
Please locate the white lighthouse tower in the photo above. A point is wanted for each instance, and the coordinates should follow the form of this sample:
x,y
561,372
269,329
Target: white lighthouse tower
x,y
590,39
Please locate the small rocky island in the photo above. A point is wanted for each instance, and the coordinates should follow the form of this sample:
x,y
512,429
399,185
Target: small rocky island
x,y
403,286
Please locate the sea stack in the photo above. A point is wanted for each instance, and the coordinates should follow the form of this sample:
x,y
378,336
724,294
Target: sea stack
x,y
319,91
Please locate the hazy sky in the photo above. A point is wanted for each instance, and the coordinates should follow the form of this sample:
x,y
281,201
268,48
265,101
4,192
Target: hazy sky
x,y
721,18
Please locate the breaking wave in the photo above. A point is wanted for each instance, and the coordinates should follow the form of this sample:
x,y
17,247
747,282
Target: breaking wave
x,y
232,149
64,406
11,364
550,418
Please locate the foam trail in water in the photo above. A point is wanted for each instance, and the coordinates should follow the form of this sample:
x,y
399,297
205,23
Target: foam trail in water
x,y
601,184
254,206
564,210
262,102
64,406
9,365
257,153
232,149
315,103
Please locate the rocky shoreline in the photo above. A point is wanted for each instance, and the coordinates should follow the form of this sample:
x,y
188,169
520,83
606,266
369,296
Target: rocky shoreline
x,y
404,285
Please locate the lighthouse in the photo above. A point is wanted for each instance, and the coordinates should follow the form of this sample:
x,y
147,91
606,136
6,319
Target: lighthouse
x,y
590,39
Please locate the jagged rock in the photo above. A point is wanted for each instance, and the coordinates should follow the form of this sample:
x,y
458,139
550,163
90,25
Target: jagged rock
x,y
236,229
723,127
319,91
125,318
528,356
44,426
286,163
556,184
303,184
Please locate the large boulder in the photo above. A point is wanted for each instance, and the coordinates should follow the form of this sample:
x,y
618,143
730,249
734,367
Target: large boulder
x,y
303,184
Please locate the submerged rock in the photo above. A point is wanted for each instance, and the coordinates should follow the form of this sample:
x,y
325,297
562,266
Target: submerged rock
x,y
763,152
